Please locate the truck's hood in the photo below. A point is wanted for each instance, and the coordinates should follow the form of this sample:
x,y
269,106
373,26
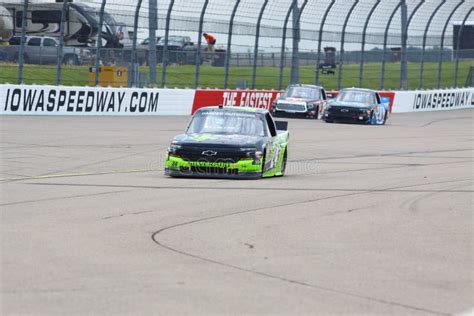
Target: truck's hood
x,y
350,104
292,101
218,140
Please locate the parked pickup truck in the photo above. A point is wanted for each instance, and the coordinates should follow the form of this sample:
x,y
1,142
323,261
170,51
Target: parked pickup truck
x,y
42,50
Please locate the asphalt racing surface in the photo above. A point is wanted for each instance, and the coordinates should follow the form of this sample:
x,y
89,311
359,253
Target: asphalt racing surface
x,y
368,220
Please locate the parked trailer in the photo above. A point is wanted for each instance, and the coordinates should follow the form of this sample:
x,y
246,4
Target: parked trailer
x,y
82,22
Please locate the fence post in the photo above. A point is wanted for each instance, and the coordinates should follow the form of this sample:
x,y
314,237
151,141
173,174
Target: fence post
x,y
382,72
403,57
364,33
152,26
134,45
321,26
341,53
198,52
420,83
99,42
440,61
404,51
257,37
61,45
283,44
229,44
164,53
457,47
295,58
21,59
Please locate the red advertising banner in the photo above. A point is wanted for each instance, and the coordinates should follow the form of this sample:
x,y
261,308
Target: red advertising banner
x,y
252,98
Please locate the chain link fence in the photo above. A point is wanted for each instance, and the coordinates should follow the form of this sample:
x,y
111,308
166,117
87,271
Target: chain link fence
x,y
379,44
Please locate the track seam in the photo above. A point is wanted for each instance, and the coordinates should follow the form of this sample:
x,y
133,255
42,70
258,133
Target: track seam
x,y
392,189
154,237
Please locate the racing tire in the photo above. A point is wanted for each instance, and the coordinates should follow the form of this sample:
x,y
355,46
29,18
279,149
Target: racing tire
x,y
16,59
370,121
385,118
283,164
317,113
263,162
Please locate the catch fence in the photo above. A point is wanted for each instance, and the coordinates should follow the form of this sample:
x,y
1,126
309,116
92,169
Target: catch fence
x,y
379,44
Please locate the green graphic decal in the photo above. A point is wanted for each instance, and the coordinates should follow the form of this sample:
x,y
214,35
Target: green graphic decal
x,y
177,163
203,137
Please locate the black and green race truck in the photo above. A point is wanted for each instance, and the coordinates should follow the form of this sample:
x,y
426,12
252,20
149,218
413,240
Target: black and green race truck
x,y
230,142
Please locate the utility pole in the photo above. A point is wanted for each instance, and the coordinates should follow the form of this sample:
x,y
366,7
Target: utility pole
x,y
59,64
98,52
21,58
404,57
295,62
152,26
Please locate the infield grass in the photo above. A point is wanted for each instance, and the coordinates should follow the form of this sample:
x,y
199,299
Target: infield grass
x,y
182,76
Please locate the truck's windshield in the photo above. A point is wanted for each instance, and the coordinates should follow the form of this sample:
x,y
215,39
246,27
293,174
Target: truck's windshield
x,y
227,123
356,97
302,92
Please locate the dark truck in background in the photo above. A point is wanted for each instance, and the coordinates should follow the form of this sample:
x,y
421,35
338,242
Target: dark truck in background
x,y
179,47
44,50
181,51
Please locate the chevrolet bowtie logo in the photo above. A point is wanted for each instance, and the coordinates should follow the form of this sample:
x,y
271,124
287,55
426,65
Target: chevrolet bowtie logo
x,y
209,153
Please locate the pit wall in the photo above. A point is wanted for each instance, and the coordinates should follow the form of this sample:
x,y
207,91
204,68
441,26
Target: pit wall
x,y
54,100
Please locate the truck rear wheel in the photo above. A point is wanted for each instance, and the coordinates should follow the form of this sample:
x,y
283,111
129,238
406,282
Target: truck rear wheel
x,y
16,59
70,60
283,164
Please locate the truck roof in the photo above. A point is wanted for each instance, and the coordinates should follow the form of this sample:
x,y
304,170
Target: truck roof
x,y
234,109
359,89
305,85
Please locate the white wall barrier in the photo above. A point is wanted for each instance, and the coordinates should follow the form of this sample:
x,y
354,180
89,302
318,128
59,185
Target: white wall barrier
x,y
433,100
52,100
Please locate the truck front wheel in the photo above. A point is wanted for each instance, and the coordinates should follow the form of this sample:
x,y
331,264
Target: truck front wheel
x,y
16,59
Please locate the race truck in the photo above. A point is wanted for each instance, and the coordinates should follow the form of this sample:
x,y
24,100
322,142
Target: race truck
x,y
357,105
230,142
307,101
